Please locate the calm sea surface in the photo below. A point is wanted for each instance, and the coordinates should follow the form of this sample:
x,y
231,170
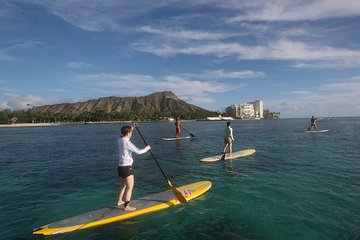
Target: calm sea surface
x,y
297,186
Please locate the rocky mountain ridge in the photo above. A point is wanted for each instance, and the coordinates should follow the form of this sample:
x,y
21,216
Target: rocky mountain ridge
x,y
160,103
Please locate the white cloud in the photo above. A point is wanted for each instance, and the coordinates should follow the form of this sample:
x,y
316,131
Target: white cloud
x,y
16,102
180,38
352,86
131,84
296,32
214,49
330,99
6,58
299,92
186,34
192,87
57,90
318,104
78,65
87,15
279,50
198,99
4,53
223,74
98,15
287,10
356,78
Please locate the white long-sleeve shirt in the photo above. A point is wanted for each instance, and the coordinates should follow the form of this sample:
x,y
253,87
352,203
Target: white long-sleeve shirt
x,y
126,148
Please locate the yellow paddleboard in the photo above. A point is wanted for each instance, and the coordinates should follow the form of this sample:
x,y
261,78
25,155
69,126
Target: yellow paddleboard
x,y
108,215
234,155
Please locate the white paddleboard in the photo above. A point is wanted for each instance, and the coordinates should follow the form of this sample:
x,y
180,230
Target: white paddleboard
x,y
234,155
318,131
172,139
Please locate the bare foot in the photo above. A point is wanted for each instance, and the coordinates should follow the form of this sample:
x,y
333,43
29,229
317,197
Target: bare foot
x,y
120,203
129,209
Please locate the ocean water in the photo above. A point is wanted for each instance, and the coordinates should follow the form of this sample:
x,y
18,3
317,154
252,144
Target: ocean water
x,y
297,186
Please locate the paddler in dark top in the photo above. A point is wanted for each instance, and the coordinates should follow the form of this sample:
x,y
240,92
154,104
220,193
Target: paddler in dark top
x,y
228,138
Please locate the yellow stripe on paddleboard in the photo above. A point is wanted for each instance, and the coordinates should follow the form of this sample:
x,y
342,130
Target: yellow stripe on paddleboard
x,y
189,191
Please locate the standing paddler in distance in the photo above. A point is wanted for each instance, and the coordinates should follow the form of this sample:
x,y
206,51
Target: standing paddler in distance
x,y
177,127
228,139
313,126
125,169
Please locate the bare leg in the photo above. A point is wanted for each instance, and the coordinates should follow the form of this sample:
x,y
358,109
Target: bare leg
x,y
230,147
129,182
225,147
121,192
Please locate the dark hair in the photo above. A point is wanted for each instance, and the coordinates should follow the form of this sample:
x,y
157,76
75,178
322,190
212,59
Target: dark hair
x,y
228,123
125,130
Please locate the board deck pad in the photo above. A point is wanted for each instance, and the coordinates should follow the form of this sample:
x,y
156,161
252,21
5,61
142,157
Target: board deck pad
x,y
174,138
317,131
239,154
107,215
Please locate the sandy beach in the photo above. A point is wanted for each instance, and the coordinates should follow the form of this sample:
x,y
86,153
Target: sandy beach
x,y
29,125
59,123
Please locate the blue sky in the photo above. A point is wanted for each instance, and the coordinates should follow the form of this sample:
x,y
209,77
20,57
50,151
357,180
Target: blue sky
x,y
301,58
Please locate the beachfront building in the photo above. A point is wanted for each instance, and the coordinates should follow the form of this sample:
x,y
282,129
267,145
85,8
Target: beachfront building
x,y
259,109
247,111
251,110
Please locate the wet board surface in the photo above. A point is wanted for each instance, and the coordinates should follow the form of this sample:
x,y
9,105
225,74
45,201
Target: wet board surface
x,y
235,155
152,203
318,131
172,139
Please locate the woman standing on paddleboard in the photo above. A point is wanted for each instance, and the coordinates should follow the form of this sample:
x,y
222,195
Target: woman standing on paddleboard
x,y
125,171
229,138
313,124
177,127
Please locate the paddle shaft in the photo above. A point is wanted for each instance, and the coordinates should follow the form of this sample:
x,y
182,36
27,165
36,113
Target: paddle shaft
x,y
177,194
187,131
152,154
227,147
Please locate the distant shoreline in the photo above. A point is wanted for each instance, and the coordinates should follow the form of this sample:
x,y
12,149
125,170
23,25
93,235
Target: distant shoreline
x,y
59,124
29,125
102,122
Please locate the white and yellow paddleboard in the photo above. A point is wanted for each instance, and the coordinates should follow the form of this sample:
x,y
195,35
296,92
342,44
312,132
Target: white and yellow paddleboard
x,y
317,131
175,138
239,154
108,215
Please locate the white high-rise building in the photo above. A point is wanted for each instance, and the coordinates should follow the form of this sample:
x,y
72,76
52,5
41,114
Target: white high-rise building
x,y
251,110
247,110
259,109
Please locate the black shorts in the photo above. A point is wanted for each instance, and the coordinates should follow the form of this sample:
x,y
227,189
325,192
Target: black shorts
x,y
125,171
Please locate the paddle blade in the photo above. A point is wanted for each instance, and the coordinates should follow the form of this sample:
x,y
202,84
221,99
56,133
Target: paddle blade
x,y
177,194
192,135
223,156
